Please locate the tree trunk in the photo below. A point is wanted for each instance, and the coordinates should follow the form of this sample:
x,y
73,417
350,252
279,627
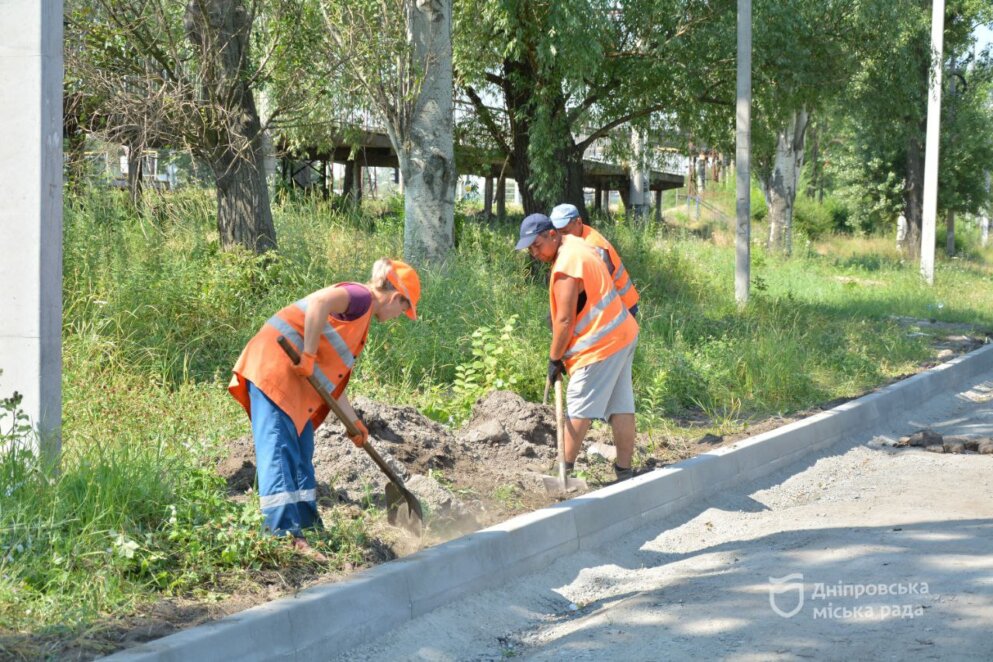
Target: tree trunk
x,y
815,161
488,198
950,233
518,88
914,195
134,176
780,186
501,198
244,217
427,159
221,30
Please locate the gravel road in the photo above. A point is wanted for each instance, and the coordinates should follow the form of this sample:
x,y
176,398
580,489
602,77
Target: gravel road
x,y
864,551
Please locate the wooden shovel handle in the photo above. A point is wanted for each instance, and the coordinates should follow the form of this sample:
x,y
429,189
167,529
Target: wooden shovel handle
x,y
329,400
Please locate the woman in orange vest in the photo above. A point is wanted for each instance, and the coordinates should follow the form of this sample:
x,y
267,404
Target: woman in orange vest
x,y
329,329
593,337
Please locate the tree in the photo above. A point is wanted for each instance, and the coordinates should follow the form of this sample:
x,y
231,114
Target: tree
x,y
805,54
570,72
183,74
885,115
398,55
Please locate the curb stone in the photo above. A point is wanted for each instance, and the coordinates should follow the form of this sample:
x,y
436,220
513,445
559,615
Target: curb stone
x,y
327,620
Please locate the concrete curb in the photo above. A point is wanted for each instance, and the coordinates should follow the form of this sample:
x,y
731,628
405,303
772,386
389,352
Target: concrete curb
x,y
328,620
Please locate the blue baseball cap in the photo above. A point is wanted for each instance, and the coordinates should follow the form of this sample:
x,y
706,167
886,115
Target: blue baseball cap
x,y
531,227
562,214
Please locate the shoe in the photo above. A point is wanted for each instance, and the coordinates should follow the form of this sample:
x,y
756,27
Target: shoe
x,y
302,547
623,474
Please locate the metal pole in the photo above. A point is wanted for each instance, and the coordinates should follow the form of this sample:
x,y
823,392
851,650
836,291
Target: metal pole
x,y
931,148
743,153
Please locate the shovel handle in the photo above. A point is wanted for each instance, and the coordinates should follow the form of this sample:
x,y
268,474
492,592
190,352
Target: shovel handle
x,y
294,355
412,502
560,430
350,426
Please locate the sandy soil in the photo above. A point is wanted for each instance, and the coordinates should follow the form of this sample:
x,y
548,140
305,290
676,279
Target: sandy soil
x,y
859,516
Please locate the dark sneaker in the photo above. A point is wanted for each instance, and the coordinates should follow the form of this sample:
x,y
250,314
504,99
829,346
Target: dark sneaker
x,y
623,474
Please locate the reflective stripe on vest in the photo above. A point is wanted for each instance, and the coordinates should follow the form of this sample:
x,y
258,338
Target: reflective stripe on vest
x,y
591,314
332,336
589,341
624,290
286,498
296,340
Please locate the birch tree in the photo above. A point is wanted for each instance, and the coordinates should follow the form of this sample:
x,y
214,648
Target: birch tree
x,y
805,54
398,55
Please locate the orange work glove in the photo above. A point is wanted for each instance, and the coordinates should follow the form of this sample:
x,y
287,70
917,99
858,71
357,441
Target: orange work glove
x,y
363,435
305,368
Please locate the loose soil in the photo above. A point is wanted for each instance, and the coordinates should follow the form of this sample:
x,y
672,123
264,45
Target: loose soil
x,y
481,474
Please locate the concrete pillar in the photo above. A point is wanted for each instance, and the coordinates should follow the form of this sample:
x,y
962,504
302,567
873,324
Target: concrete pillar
x,y
605,205
597,197
638,194
658,206
984,231
501,199
488,197
31,215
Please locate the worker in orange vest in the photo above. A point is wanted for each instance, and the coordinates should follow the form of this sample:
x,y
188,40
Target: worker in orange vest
x,y
593,338
329,329
565,217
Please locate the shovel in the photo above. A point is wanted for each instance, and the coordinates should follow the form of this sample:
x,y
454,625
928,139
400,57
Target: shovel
x,y
402,507
561,484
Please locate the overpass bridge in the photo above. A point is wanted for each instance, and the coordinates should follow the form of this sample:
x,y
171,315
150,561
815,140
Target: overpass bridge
x,y
369,147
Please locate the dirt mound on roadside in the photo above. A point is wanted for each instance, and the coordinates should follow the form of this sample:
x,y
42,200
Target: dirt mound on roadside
x,y
507,442
508,430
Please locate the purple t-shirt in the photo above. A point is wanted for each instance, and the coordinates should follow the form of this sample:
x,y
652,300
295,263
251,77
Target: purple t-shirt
x,y
359,301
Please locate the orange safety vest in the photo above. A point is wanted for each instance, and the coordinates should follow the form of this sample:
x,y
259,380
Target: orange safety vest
x,y
622,279
264,363
603,326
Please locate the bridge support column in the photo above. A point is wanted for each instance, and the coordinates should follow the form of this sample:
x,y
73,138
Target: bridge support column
x,y
597,197
658,206
501,199
488,198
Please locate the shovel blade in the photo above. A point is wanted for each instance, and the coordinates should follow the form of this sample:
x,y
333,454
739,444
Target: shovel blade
x,y
555,486
403,510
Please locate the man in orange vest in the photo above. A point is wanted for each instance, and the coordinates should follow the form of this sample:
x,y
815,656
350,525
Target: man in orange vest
x,y
565,217
593,338
329,329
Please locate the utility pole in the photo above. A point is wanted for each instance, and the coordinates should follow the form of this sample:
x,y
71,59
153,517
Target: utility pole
x,y
743,154
931,148
31,217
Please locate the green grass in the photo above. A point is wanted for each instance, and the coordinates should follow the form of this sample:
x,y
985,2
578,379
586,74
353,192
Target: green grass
x,y
155,316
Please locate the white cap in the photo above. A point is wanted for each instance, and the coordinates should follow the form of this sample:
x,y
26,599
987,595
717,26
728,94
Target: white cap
x,y
562,214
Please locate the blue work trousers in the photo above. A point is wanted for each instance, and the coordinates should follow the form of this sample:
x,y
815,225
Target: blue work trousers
x,y
285,465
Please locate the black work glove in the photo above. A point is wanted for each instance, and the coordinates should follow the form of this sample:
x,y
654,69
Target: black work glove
x,y
555,370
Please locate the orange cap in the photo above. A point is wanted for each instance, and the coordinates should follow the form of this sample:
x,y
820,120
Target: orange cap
x,y
405,279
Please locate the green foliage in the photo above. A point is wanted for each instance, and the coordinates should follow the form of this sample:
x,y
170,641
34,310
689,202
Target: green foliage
x,y
489,369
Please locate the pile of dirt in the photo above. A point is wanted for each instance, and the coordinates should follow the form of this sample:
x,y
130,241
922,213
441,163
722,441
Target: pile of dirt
x,y
506,445
508,431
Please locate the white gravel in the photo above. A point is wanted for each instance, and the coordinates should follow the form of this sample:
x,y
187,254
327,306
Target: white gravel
x,y
855,518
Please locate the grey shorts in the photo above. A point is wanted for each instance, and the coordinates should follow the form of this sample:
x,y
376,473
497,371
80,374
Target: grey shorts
x,y
601,389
